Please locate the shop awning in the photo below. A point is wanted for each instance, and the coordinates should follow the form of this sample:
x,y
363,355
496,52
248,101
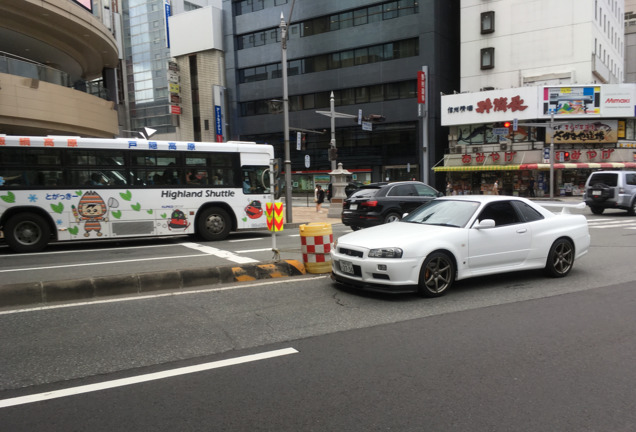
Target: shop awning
x,y
537,166
572,165
477,168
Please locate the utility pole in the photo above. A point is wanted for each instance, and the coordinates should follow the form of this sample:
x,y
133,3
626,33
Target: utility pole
x,y
288,181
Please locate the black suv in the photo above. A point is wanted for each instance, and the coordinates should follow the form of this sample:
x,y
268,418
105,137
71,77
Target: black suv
x,y
378,203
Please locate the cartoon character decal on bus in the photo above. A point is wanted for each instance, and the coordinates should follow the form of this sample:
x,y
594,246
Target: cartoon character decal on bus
x,y
178,220
254,210
92,210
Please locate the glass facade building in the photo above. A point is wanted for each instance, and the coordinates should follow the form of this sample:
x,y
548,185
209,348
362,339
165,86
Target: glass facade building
x,y
146,64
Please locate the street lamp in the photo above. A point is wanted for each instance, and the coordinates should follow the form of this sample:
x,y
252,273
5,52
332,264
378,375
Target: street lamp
x,y
335,206
287,162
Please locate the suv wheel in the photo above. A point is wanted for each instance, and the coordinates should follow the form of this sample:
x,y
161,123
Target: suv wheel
x,y
391,217
597,210
632,208
606,192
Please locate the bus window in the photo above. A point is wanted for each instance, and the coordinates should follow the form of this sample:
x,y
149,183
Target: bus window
x,y
97,178
197,176
255,179
95,157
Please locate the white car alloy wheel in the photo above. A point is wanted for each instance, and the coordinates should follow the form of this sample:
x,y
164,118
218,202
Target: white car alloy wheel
x,y
437,274
560,258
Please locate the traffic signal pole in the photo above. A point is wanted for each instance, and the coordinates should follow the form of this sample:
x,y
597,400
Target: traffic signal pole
x,y
545,126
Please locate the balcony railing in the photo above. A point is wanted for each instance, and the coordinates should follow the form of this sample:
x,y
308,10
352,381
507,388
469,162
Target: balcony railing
x,y
15,65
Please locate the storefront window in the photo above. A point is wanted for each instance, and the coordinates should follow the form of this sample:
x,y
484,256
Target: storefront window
x,y
629,129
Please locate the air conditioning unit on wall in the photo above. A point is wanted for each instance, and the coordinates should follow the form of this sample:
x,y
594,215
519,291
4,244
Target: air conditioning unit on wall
x,y
457,149
503,146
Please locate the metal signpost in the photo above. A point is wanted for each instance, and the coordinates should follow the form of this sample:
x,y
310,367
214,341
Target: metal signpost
x,y
288,178
545,126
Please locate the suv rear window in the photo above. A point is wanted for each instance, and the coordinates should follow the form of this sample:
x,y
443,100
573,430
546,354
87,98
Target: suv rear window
x,y
402,190
610,179
365,193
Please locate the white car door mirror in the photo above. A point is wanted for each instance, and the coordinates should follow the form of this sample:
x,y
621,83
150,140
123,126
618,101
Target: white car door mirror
x,y
486,223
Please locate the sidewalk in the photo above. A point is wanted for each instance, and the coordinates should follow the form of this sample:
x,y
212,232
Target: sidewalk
x,y
304,215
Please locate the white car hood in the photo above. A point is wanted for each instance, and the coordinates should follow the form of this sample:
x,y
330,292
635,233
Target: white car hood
x,y
394,234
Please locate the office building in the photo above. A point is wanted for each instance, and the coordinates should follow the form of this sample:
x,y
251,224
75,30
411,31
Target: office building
x,y
369,54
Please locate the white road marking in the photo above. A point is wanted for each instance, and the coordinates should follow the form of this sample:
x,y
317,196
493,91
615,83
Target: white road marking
x,y
220,253
20,255
244,240
601,221
101,263
613,225
254,250
278,281
205,250
143,378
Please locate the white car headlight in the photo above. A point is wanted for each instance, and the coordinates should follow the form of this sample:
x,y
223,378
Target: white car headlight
x,y
386,253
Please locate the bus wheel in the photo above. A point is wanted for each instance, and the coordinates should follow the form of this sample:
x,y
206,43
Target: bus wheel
x,y
214,224
27,232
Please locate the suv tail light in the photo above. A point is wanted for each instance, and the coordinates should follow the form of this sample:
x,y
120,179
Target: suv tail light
x,y
369,204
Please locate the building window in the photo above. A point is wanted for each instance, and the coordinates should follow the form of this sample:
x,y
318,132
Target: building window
x,y
488,22
487,58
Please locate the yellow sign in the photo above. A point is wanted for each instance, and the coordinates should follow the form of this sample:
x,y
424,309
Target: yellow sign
x,y
274,213
174,88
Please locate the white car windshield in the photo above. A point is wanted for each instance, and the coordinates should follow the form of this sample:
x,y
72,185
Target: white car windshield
x,y
444,213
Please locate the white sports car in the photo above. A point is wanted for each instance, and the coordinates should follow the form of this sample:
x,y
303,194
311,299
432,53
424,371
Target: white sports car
x,y
455,238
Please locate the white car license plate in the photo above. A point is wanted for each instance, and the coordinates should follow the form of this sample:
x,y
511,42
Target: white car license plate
x,y
346,267
596,192
353,207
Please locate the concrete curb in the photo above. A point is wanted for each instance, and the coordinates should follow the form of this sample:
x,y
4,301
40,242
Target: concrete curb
x,y
140,283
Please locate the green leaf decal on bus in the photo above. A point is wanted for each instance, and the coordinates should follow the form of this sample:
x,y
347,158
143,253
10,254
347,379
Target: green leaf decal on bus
x,y
163,215
9,198
116,214
149,211
126,195
135,207
58,208
73,230
78,193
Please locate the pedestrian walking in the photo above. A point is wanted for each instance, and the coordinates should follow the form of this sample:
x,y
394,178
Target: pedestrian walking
x,y
319,197
531,187
495,188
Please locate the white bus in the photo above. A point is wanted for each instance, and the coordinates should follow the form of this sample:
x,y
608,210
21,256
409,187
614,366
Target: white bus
x,y
71,188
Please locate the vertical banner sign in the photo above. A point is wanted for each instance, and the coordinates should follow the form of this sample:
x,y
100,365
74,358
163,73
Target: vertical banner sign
x,y
167,9
298,139
218,121
274,213
421,87
218,113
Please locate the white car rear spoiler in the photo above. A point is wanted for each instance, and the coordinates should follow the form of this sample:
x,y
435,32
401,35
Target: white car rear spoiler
x,y
565,207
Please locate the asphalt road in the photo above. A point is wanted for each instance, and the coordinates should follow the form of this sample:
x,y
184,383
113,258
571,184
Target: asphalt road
x,y
510,352
63,261
562,360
